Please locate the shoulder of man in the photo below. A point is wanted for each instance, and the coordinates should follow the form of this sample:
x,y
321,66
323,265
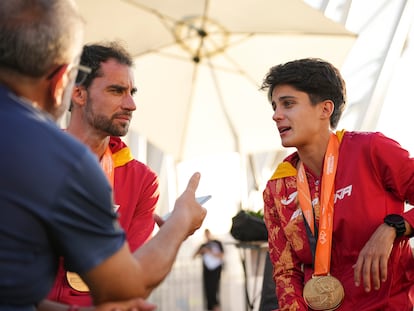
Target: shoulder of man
x,y
121,153
122,156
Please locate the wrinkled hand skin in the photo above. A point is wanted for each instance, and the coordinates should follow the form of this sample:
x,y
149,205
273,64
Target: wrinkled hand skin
x,y
373,258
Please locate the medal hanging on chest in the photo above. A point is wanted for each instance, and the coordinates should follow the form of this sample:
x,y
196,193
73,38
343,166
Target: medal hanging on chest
x,y
322,291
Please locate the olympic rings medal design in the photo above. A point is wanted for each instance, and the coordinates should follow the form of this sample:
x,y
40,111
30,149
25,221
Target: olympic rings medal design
x,y
76,282
323,293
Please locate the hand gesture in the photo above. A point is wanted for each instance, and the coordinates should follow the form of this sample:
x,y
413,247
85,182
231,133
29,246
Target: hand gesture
x,y
187,210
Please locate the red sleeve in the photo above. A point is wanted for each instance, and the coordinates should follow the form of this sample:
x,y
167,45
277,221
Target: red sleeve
x,y
137,193
396,169
143,223
287,272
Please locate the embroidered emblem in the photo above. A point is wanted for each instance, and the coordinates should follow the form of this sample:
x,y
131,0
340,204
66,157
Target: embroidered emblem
x,y
341,193
290,199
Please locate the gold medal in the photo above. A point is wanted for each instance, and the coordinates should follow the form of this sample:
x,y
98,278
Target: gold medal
x,y
76,282
323,293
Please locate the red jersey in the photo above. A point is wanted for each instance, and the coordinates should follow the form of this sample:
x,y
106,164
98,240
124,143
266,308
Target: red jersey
x,y
136,192
374,178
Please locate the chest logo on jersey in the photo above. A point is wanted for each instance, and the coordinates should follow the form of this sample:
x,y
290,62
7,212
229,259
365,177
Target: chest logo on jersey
x,y
289,199
341,193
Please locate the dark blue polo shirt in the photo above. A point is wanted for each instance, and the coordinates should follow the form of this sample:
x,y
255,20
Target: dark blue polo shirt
x,y
54,201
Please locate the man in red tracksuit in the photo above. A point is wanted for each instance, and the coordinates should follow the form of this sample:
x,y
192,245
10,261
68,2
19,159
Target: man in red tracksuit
x,y
101,111
136,194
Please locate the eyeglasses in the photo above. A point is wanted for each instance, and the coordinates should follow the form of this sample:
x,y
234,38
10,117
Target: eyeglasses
x,y
82,73
78,72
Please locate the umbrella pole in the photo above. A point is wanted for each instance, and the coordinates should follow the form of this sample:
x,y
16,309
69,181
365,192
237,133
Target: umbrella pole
x,y
243,182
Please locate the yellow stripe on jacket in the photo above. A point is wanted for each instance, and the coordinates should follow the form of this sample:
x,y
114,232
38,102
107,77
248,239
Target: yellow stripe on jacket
x,y
121,157
285,169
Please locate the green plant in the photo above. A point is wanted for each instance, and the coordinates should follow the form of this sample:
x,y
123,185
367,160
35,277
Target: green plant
x,y
258,214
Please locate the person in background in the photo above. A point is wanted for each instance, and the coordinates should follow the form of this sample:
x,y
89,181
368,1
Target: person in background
x,y
55,198
212,253
101,111
335,208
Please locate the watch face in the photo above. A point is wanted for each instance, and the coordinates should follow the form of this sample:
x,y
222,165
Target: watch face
x,y
394,219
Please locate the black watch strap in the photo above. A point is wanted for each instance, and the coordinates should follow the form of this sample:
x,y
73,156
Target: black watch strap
x,y
397,222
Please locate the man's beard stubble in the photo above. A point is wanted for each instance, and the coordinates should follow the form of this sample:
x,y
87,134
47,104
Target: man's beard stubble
x,y
104,123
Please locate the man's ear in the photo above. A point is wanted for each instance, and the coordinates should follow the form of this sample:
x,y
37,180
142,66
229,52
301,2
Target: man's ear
x,y
58,82
328,108
79,95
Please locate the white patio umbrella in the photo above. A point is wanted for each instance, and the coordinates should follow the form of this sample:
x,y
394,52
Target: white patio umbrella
x,y
199,65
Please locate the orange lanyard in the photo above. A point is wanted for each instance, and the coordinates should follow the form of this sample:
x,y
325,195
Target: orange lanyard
x,y
324,239
107,164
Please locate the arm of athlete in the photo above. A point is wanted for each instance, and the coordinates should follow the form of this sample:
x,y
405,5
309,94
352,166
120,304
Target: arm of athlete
x,y
372,261
395,168
125,276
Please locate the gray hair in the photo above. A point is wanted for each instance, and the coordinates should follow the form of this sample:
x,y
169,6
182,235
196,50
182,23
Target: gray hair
x,y
36,35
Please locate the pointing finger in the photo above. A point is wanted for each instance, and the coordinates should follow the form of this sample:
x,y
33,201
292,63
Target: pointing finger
x,y
193,183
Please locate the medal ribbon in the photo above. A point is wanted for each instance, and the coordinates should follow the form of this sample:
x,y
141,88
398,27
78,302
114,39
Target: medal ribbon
x,y
324,239
107,164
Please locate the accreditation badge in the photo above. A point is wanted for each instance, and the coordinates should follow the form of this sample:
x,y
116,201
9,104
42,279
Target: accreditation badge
x,y
323,293
76,282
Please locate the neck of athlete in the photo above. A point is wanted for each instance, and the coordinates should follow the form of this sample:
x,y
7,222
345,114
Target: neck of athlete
x,y
312,155
96,140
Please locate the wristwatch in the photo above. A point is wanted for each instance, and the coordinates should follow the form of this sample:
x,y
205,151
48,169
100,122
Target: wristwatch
x,y
396,221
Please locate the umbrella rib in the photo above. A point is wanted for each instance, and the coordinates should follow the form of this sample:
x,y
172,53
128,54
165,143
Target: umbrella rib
x,y
240,70
164,19
236,65
204,16
223,106
167,20
189,112
150,10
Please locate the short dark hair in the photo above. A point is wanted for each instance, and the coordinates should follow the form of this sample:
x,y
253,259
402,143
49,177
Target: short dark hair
x,y
95,54
314,76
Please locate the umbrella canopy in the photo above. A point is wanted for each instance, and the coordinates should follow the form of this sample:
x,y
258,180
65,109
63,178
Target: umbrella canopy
x,y
199,65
